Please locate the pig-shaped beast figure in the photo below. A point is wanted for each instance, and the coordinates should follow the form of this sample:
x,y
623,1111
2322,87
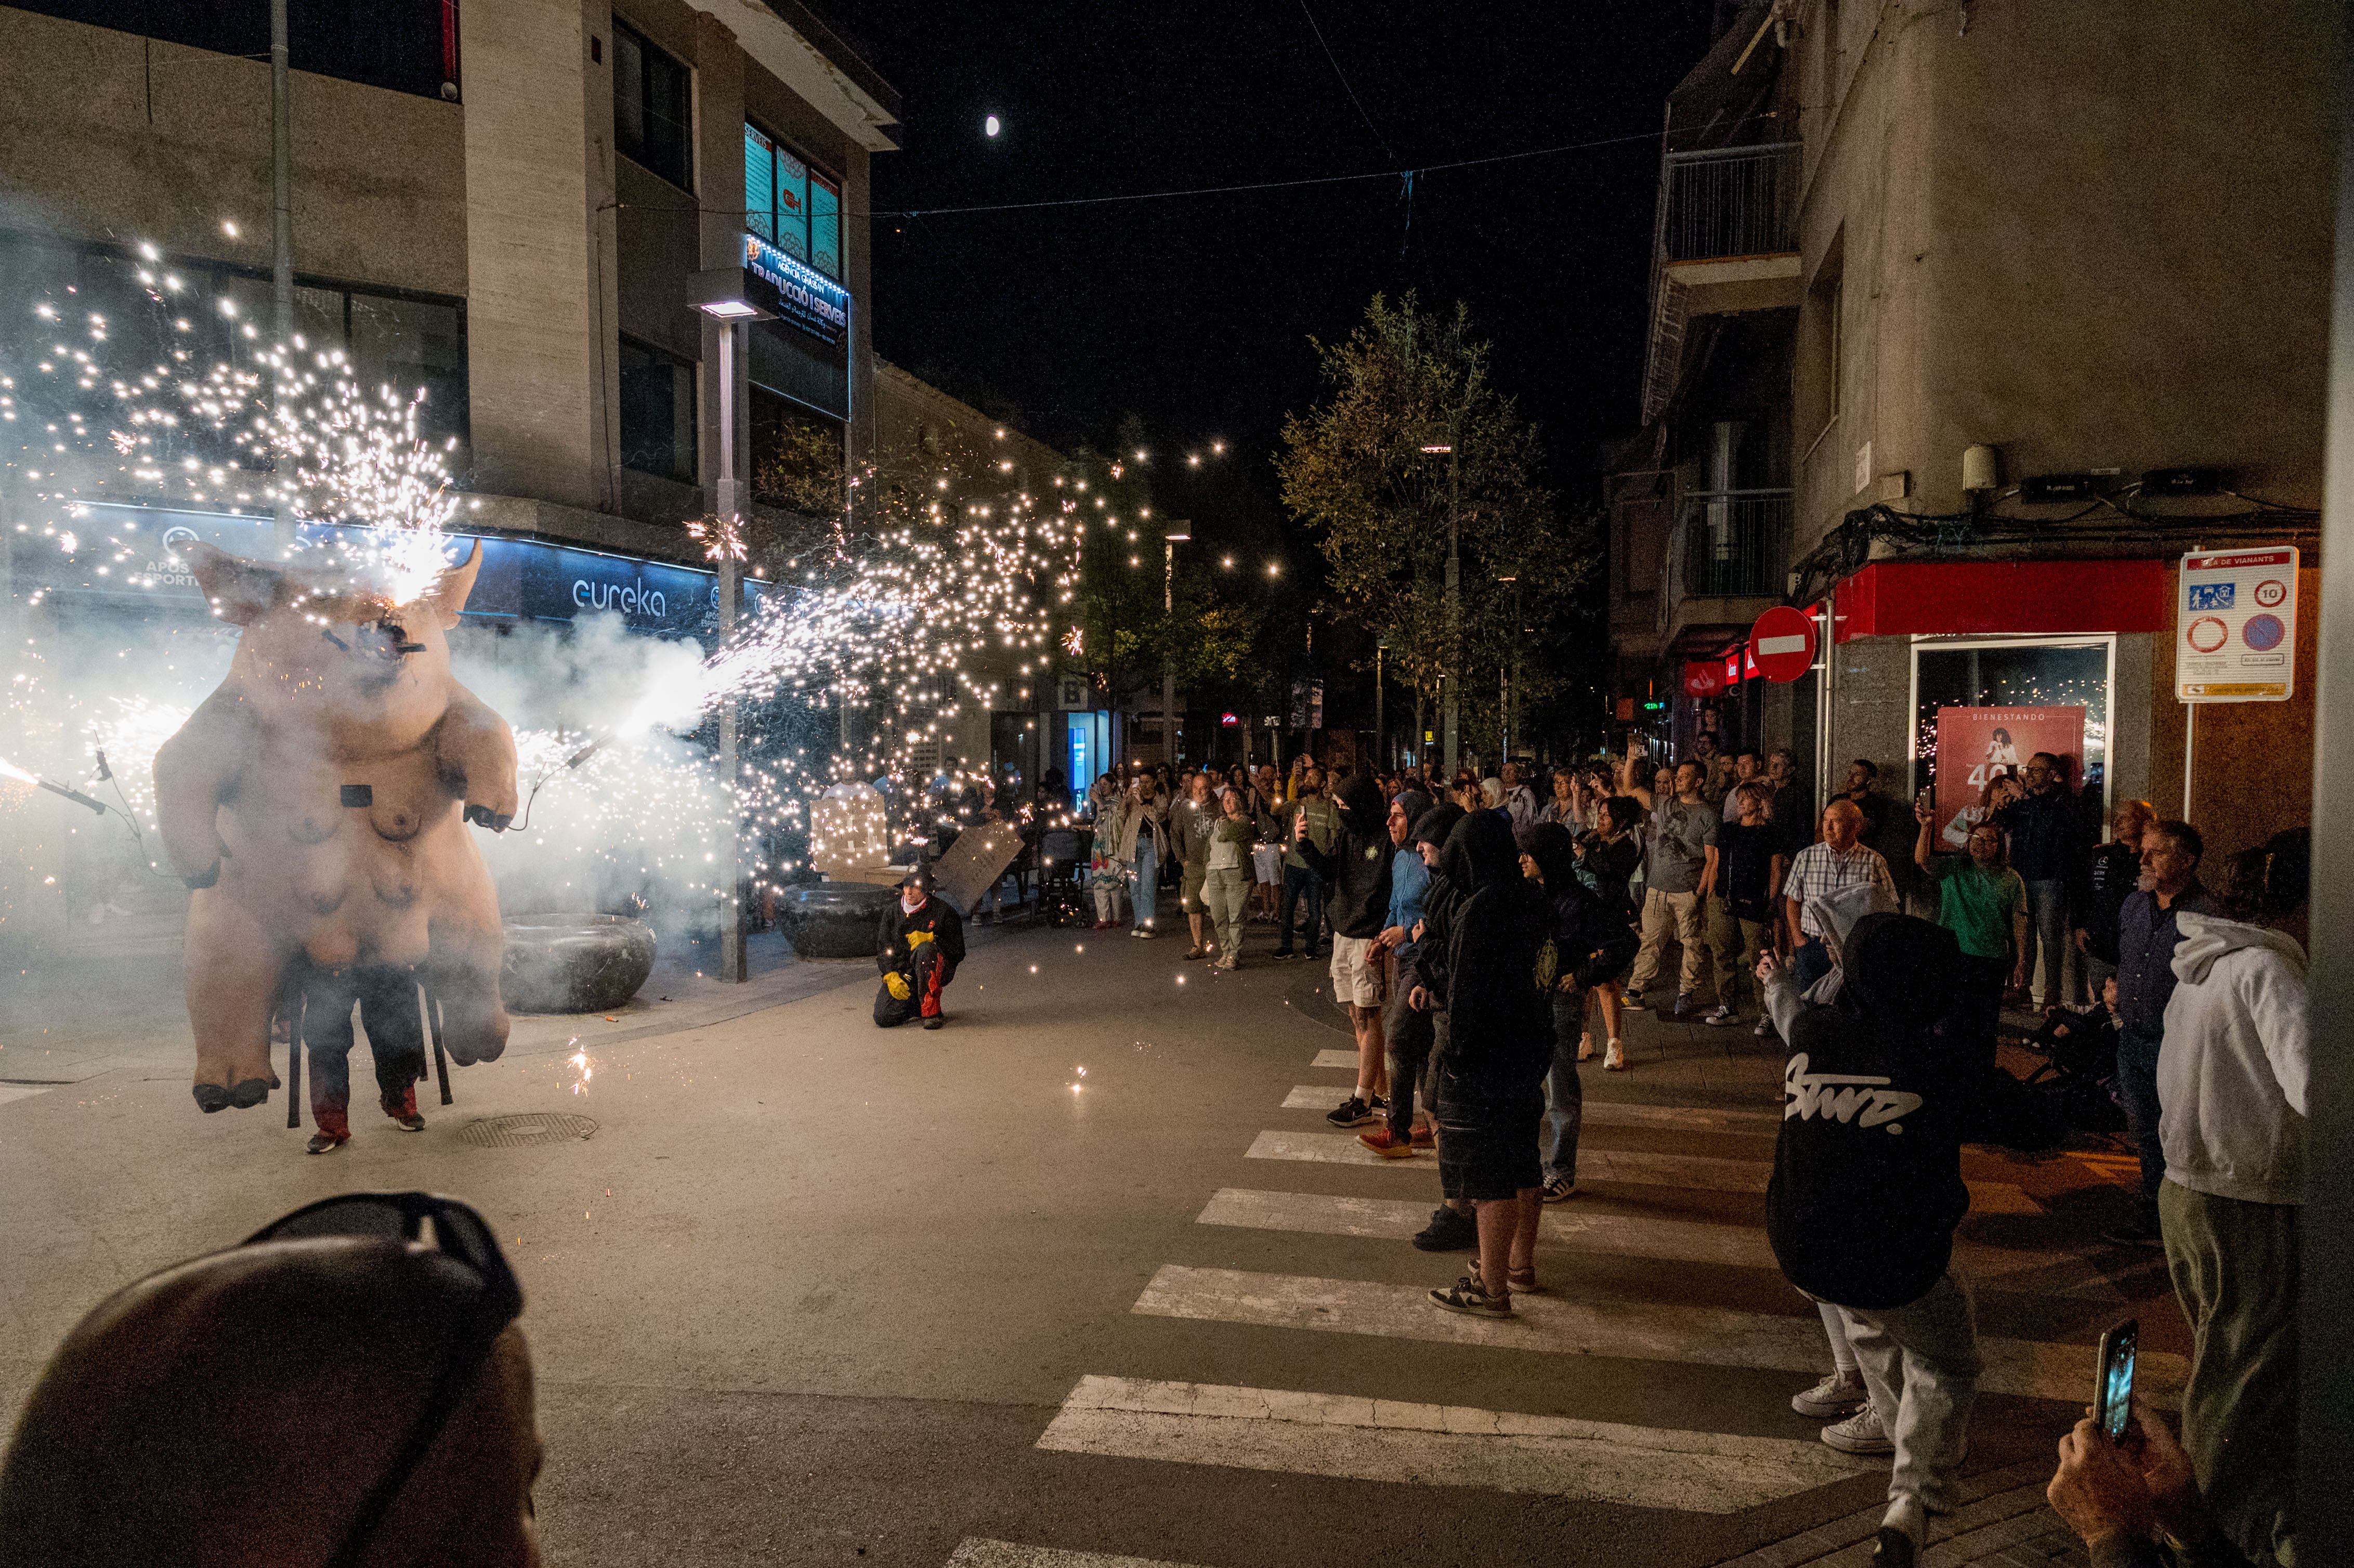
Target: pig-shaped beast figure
x,y
315,803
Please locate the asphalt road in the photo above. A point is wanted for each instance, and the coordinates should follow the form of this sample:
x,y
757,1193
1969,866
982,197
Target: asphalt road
x,y
816,1293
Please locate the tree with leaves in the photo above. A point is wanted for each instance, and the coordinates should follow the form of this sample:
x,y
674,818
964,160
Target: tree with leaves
x,y
1414,457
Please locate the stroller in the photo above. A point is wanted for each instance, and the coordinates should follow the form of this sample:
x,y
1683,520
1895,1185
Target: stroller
x,y
2079,1068
1062,855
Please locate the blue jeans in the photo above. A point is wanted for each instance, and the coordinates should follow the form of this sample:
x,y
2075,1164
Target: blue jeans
x,y
1809,962
1145,899
1300,885
2047,929
1565,1095
2137,1092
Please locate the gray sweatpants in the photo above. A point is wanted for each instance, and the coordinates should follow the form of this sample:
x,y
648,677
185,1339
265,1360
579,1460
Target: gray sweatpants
x,y
1921,1364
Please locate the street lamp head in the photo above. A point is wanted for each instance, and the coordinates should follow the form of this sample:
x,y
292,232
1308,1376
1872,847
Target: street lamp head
x,y
1438,447
1177,538
719,293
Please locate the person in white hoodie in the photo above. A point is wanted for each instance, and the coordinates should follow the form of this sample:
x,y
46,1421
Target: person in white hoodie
x,y
2231,1082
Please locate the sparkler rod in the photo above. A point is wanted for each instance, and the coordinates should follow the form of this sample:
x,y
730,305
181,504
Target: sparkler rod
x,y
76,796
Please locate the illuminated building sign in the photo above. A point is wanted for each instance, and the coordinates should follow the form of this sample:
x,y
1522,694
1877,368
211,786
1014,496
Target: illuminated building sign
x,y
520,580
797,291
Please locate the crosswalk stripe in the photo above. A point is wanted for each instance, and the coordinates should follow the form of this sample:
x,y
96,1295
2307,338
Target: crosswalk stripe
x,y
22,1091
1431,1445
977,1552
1700,1171
1585,1229
1336,1059
1651,1332
1628,1236
1597,1113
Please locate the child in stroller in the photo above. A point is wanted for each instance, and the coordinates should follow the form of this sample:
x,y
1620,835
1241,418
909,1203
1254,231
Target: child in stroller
x,y
2079,1048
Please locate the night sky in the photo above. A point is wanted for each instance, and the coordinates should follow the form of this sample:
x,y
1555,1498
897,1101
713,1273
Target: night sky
x,y
1194,311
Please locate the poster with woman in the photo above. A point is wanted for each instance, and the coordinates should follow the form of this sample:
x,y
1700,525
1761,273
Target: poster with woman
x,y
1979,747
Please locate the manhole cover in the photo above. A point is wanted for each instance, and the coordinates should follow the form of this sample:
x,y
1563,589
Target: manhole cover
x,y
531,1126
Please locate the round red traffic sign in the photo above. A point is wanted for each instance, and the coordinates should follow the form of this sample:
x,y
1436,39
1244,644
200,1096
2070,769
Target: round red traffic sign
x,y
1783,643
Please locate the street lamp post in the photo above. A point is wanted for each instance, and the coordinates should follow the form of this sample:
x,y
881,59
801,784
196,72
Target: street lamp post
x,y
1447,707
720,294
1175,535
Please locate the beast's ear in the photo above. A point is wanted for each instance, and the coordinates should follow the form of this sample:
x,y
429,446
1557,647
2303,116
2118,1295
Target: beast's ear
x,y
240,591
448,595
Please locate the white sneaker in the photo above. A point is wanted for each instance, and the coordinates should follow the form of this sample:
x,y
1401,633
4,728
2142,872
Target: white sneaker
x,y
1859,1434
1614,1059
1586,1047
1723,1015
1835,1396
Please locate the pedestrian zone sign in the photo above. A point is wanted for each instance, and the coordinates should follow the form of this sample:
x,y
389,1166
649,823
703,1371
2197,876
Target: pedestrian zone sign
x,y
2235,627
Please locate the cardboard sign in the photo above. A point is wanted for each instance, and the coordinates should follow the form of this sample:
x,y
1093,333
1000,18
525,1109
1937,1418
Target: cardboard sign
x,y
977,858
2235,627
1975,745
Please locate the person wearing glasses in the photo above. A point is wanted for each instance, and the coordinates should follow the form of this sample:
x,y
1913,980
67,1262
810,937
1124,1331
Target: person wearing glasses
x,y
207,1412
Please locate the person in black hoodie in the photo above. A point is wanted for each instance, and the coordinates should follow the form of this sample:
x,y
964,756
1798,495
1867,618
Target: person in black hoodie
x,y
918,946
1358,872
1480,942
1587,945
1866,1190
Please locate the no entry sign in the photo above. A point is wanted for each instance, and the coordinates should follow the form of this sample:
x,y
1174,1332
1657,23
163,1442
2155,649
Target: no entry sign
x,y
1783,643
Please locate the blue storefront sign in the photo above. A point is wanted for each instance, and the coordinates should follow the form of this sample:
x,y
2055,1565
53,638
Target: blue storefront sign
x,y
520,580
801,294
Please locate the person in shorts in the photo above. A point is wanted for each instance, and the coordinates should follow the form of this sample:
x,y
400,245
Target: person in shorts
x,y
1480,966
1357,867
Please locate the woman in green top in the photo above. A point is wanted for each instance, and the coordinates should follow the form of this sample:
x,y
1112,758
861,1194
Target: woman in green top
x,y
1983,904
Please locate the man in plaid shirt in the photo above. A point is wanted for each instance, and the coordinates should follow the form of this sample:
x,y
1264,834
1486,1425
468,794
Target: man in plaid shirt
x,y
1838,861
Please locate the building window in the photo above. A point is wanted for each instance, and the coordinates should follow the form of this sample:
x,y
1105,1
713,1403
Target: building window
x,y
792,204
653,117
657,412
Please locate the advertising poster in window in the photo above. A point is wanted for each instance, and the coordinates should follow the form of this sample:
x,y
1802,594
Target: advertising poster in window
x,y
1977,745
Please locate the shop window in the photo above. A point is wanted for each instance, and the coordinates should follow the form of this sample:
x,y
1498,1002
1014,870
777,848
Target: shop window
x,y
657,412
792,204
653,117
1995,705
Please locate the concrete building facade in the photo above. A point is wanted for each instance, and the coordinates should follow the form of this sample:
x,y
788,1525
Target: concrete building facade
x,y
537,181
1966,327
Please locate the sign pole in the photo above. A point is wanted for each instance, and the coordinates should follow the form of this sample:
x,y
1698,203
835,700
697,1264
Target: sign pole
x,y
2190,733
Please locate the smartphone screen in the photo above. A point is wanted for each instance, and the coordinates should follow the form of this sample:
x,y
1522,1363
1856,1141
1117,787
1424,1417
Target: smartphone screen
x,y
2114,1398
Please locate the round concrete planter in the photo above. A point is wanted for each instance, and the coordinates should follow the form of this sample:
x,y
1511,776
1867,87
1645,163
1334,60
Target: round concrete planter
x,y
574,963
834,919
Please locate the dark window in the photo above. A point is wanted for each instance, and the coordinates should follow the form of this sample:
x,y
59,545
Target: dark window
x,y
657,412
652,117
406,45
787,202
169,315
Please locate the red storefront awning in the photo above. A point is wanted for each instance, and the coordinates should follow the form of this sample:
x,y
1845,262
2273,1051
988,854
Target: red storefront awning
x,y
1890,598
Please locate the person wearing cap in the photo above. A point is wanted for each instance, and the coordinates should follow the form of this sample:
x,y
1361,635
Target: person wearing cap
x,y
333,1392
919,946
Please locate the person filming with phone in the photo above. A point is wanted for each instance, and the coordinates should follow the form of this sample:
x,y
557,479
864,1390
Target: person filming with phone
x,y
2133,1498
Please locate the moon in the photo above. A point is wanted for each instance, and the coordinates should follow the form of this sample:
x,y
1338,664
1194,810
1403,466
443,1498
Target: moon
x,y
989,126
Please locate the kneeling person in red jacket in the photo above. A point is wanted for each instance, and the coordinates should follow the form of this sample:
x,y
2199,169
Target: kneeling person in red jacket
x,y
919,948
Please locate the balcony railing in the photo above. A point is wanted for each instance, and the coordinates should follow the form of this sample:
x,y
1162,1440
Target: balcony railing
x,y
1728,201
1732,543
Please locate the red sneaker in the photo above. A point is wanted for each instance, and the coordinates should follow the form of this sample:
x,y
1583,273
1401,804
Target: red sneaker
x,y
1382,1143
1424,1136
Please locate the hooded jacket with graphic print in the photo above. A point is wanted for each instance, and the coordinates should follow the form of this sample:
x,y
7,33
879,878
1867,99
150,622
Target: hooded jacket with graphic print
x,y
1867,1185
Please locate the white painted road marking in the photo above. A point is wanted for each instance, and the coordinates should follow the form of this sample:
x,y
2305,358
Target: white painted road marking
x,y
1700,1171
1432,1444
1583,1228
22,1091
1336,1059
1597,1113
1647,1331
975,1552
